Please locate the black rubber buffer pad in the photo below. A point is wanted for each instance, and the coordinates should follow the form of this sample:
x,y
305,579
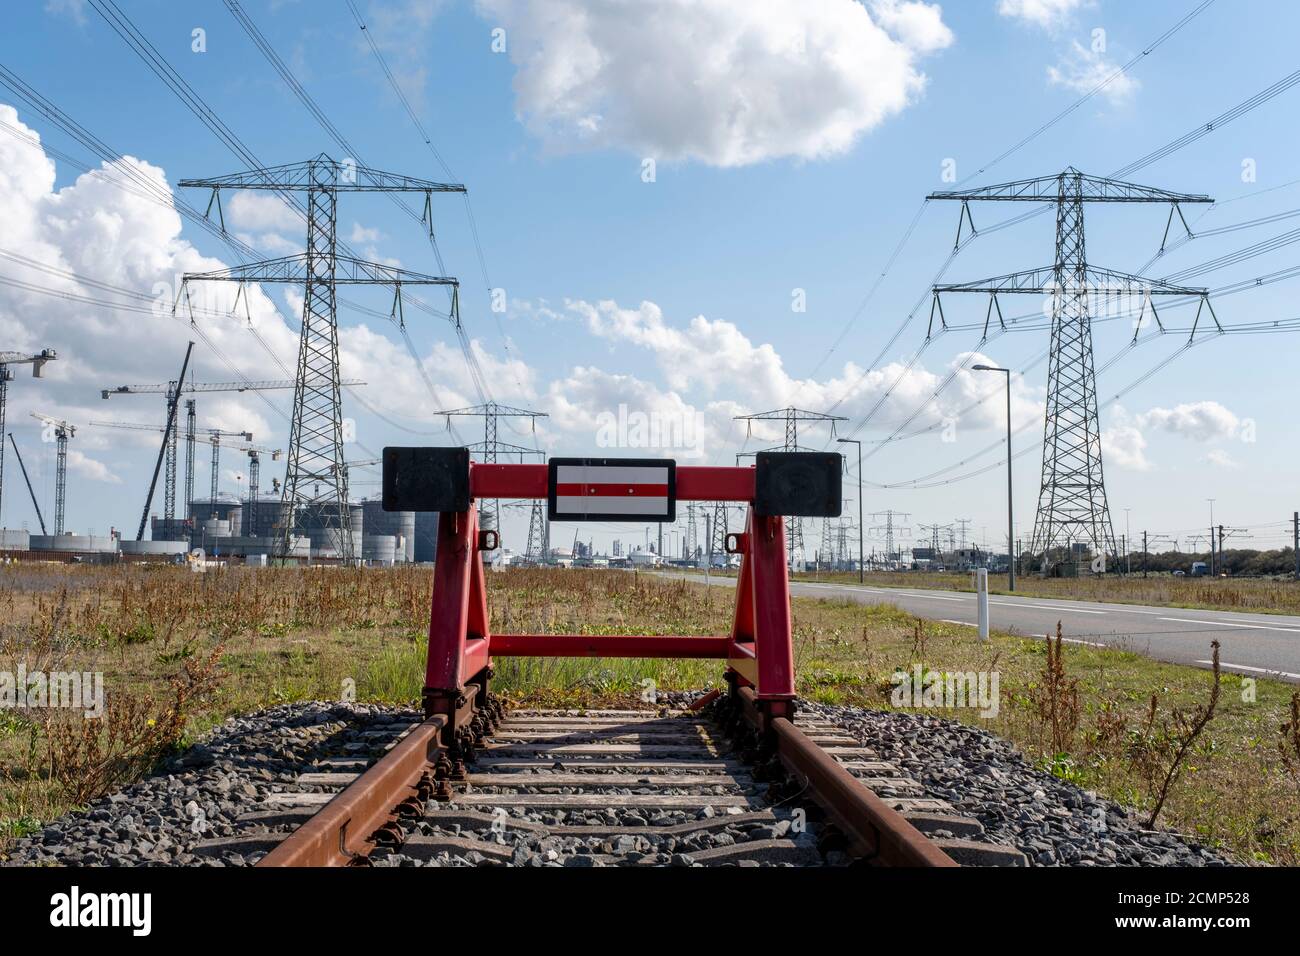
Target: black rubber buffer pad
x,y
426,479
805,484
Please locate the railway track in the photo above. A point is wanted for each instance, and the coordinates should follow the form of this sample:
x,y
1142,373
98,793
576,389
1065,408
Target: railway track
x,y
703,786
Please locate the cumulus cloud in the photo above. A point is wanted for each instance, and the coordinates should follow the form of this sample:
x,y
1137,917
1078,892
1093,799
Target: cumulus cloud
x,y
235,415
260,212
1082,70
1200,421
362,233
715,357
626,413
1124,446
1050,15
83,465
724,82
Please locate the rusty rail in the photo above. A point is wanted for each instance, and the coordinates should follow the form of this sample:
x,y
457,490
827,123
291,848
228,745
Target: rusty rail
x,y
875,831
340,833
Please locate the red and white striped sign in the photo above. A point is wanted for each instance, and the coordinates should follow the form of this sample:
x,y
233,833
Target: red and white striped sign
x,y
612,489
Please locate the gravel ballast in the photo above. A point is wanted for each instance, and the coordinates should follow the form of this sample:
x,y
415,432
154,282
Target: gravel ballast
x,y
199,795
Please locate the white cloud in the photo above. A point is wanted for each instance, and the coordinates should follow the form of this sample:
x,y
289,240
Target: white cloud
x,y
74,9
260,212
589,399
271,243
234,415
1221,459
1199,421
724,82
81,464
1050,15
362,233
716,358
1124,446
1082,70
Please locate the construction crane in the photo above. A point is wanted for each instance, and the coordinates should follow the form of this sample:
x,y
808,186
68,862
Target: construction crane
x,y
166,452
173,391
30,490
211,387
62,432
214,439
210,436
37,361
254,476
363,463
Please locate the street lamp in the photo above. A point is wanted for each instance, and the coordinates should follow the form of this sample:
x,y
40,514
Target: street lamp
x,y
862,557
1011,544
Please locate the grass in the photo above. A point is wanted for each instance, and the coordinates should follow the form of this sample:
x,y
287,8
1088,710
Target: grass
x,y
295,635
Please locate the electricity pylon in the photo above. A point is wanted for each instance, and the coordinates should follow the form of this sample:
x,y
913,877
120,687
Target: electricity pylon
x,y
316,459
1072,493
718,531
826,553
692,533
490,448
180,528
889,529
792,417
535,552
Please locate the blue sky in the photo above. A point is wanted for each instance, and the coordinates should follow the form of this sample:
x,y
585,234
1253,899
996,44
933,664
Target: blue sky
x,y
792,145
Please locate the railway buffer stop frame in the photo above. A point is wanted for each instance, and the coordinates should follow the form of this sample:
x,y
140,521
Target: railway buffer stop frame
x,y
758,652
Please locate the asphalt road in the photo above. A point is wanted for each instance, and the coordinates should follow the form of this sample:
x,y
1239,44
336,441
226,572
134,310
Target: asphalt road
x,y
1263,645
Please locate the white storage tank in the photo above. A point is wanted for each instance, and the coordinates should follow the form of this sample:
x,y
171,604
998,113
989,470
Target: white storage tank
x,y
15,539
74,543
163,550
379,549
399,524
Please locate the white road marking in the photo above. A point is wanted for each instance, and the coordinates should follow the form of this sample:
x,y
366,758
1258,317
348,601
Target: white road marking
x,y
945,620
1254,670
1249,627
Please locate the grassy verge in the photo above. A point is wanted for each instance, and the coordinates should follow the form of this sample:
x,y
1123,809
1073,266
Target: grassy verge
x,y
276,636
1254,595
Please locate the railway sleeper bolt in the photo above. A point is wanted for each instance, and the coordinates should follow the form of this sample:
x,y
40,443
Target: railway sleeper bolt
x,y
424,787
442,771
410,808
390,834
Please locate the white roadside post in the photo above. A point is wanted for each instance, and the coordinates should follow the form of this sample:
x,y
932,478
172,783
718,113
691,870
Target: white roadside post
x,y
982,599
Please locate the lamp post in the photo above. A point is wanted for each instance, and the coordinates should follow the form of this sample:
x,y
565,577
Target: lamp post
x,y
862,556
1011,543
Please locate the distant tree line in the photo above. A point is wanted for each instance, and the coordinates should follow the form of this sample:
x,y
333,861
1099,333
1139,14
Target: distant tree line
x,y
1236,562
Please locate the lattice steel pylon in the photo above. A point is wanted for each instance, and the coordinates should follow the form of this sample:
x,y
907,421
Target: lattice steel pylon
x,y
535,552
692,541
826,553
1072,502
792,417
315,485
718,531
490,448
